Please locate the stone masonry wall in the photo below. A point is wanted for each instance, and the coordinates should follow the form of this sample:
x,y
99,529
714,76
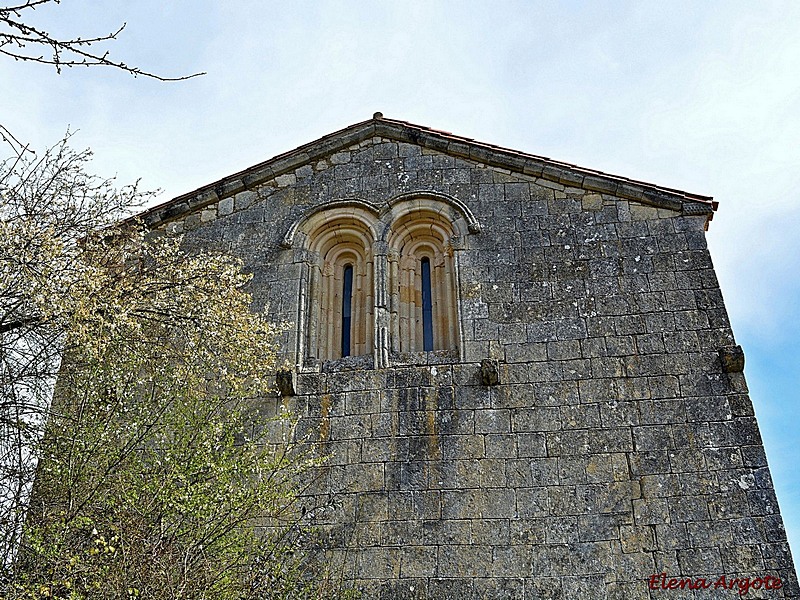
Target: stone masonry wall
x,y
614,447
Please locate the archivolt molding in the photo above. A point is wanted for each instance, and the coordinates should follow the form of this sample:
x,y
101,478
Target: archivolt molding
x,y
396,208
427,200
338,209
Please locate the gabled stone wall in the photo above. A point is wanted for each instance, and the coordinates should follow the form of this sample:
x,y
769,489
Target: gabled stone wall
x,y
613,444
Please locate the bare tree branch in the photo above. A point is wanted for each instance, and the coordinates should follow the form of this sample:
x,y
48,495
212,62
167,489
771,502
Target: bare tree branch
x,y
22,41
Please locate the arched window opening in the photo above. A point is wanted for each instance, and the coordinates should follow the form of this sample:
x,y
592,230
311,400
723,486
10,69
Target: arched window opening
x,y
423,299
340,320
427,317
347,304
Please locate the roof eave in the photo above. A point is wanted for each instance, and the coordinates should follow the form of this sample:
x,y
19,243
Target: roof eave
x,y
494,156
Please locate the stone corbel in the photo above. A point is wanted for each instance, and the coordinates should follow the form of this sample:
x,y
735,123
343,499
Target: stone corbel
x,y
490,371
286,381
732,359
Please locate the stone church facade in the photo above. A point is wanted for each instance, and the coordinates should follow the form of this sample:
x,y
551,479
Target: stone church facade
x,y
521,371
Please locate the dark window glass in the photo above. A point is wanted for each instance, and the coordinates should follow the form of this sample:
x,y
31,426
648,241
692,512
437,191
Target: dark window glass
x,y
427,319
347,309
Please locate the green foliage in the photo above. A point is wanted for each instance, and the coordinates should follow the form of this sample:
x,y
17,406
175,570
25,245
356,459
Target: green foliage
x,y
157,462
48,205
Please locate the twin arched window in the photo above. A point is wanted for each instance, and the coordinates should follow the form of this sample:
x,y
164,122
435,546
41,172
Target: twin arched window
x,y
379,284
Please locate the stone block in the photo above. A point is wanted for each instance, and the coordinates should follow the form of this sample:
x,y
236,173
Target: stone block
x,y
417,561
563,350
700,561
464,561
501,445
492,421
378,563
616,439
684,509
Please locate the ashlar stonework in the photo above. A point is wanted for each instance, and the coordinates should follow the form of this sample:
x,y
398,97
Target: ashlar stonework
x,y
539,394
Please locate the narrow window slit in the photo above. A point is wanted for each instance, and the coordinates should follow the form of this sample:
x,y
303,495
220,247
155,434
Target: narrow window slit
x,y
427,317
347,309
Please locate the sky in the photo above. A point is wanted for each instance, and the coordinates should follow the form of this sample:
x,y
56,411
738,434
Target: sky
x,y
699,96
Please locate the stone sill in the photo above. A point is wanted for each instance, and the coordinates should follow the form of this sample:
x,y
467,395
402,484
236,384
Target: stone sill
x,y
396,359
